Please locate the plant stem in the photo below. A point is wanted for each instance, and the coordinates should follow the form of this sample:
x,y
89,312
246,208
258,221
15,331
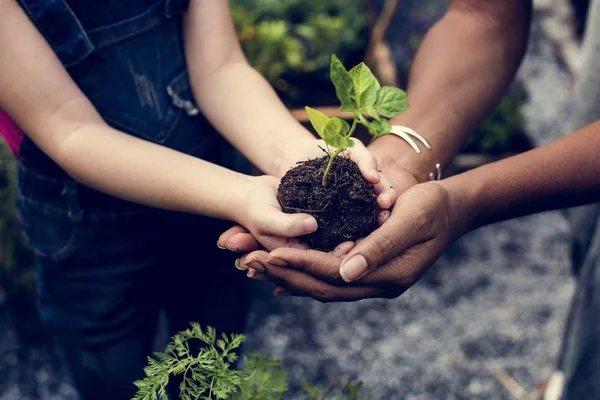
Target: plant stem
x,y
352,128
333,156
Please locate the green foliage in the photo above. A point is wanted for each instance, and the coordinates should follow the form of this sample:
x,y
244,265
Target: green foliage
x,y
360,93
264,378
283,38
208,374
350,391
504,129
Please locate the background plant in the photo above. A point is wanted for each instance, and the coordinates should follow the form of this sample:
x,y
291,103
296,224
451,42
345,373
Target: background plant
x,y
288,39
207,373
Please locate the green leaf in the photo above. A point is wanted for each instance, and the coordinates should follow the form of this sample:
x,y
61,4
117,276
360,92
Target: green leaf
x,y
369,96
318,120
363,80
373,113
391,101
334,133
343,84
379,128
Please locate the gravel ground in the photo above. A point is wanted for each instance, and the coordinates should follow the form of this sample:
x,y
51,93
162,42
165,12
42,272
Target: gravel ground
x,y
497,297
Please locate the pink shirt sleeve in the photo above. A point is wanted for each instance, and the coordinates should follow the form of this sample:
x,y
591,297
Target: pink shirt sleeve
x,y
11,133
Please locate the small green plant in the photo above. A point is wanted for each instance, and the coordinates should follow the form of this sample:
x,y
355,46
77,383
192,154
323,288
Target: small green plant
x,y
207,373
361,94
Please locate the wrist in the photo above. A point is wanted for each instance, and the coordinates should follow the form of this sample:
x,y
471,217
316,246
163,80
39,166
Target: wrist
x,y
394,154
285,156
463,202
237,201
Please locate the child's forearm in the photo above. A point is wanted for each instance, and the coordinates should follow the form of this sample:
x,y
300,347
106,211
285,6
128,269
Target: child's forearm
x,y
139,171
244,108
563,174
236,99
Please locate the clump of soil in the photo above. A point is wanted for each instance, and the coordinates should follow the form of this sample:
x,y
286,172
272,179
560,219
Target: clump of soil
x,y
346,209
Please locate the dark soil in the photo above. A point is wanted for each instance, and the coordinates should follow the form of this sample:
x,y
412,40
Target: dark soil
x,y
346,209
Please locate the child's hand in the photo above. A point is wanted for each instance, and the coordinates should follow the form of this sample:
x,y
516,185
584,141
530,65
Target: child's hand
x,y
263,218
305,148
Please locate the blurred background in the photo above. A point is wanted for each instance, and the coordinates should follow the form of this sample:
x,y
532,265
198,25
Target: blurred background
x,y
484,323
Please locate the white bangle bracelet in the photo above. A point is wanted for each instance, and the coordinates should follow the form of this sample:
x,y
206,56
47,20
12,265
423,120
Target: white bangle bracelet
x,y
407,134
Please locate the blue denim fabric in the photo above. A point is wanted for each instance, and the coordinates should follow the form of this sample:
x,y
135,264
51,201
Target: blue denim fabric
x,y
106,266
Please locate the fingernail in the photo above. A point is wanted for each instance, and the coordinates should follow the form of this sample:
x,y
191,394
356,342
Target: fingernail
x,y
255,265
221,247
354,268
278,292
375,174
232,249
239,266
277,261
310,224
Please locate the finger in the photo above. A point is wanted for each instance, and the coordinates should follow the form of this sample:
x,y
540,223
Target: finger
x,y
257,276
400,232
383,216
366,161
272,242
386,193
296,244
324,266
225,236
343,249
242,242
277,223
405,269
254,260
300,284
281,292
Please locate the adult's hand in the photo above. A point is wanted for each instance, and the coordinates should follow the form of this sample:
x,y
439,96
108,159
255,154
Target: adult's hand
x,y
425,220
395,179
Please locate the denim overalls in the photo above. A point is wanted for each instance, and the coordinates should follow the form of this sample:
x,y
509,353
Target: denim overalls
x,y
106,266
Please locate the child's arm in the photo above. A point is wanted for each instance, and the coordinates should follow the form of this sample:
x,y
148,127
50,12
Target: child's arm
x,y
240,103
43,100
236,99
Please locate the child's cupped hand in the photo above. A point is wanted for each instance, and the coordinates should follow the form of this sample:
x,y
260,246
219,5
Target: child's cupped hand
x,y
264,220
268,227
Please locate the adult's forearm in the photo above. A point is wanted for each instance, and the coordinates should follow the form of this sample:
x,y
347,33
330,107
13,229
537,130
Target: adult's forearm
x,y
460,72
562,174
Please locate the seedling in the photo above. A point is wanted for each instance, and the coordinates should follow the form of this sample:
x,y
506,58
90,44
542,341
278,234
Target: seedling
x,y
360,93
346,207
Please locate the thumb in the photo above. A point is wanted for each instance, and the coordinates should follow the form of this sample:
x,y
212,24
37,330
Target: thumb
x,y
275,222
384,244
